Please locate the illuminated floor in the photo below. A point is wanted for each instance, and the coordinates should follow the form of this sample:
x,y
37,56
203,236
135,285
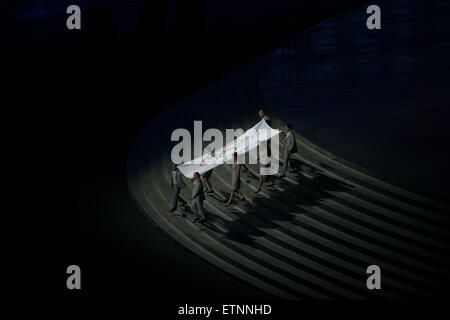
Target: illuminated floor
x,y
314,234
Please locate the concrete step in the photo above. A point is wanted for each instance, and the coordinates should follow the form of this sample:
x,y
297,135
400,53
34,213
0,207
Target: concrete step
x,y
311,235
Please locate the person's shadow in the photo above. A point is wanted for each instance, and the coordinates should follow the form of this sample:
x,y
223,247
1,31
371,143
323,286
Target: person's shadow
x,y
272,212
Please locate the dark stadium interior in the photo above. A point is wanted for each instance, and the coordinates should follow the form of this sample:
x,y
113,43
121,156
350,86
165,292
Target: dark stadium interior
x,y
89,94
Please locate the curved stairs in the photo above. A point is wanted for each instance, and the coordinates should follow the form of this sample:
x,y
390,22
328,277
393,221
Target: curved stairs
x,y
311,235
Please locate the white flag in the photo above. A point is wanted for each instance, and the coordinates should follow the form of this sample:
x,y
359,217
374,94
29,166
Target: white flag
x,y
249,140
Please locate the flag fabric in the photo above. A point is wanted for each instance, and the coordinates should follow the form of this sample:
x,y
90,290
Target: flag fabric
x,y
251,138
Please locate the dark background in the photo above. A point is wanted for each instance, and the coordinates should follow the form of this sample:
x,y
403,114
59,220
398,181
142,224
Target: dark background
x,y
89,92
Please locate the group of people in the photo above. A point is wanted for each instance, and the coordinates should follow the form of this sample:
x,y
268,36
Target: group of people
x,y
202,183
